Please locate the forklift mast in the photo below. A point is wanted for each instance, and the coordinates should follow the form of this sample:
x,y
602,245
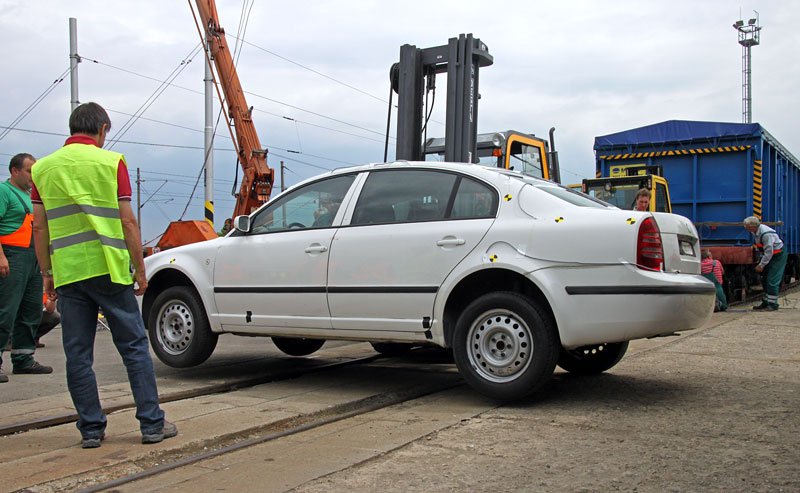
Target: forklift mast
x,y
461,58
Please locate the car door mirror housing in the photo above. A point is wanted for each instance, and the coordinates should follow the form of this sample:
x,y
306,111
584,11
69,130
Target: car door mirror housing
x,y
242,223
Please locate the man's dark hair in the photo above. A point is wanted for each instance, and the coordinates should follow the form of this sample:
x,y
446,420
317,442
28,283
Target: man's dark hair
x,y
18,161
88,118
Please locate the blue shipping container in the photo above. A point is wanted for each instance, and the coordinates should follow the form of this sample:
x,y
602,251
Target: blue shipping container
x,y
717,173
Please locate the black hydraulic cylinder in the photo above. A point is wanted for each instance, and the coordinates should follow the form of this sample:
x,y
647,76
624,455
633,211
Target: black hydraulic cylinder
x,y
461,58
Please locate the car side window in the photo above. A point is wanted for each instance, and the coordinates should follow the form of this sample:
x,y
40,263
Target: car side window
x,y
407,195
474,200
312,206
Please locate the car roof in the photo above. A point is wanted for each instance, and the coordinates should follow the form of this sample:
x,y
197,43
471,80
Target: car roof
x,y
477,170
486,172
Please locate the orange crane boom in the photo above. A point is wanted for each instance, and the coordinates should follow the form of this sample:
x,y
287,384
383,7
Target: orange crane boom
x,y
258,176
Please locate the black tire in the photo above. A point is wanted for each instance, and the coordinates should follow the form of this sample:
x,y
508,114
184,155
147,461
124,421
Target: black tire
x,y
392,348
505,346
296,346
180,334
591,360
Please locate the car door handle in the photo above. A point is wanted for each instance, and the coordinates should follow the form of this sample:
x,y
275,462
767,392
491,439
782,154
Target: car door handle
x,y
316,248
450,241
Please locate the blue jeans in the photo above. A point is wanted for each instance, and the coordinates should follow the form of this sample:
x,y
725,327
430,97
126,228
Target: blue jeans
x,y
78,304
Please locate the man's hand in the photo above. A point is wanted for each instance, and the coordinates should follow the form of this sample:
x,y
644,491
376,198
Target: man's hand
x,y
49,288
759,268
4,268
141,283
50,303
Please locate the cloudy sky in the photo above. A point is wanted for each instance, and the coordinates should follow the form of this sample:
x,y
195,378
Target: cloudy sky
x,y
588,68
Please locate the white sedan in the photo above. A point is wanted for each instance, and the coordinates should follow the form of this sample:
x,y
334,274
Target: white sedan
x,y
513,273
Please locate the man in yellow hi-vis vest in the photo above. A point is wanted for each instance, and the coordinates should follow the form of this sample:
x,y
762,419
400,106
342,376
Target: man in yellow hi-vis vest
x,y
86,237
20,281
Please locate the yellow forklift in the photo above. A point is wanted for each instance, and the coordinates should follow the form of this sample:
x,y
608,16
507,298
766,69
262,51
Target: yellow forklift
x,y
508,150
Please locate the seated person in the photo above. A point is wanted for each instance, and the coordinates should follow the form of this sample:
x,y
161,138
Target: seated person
x,y
642,201
712,270
323,217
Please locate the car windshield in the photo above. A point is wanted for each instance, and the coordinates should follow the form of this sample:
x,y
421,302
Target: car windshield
x,y
622,196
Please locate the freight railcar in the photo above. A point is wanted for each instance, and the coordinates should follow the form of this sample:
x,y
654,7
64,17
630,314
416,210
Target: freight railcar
x,y
718,173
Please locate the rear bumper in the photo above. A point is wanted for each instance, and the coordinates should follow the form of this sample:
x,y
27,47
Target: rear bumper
x,y
642,304
638,290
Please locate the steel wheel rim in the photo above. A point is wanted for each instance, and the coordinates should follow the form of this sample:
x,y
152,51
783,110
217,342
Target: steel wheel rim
x,y
175,329
499,345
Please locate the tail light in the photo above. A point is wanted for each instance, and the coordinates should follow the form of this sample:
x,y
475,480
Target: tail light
x,y
649,250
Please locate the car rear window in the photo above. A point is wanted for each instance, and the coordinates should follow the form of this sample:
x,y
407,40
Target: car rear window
x,y
571,196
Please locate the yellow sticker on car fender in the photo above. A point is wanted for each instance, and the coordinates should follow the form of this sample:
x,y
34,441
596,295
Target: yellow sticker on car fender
x,y
560,219
630,220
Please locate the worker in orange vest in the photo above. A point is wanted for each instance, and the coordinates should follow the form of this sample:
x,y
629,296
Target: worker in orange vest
x,y
20,279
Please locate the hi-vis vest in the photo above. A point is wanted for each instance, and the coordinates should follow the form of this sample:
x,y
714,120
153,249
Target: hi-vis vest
x,y
78,187
777,244
23,236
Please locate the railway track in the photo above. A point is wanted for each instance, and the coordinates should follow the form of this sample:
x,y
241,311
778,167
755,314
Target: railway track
x,y
756,296
279,430
230,386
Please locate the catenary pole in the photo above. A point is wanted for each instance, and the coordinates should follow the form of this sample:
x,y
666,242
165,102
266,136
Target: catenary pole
x,y
139,200
74,60
209,141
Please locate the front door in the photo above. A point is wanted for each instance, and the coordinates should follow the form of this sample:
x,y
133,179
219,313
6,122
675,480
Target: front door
x,y
274,275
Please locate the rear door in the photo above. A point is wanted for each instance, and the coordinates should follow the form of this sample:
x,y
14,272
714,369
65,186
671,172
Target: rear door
x,y
408,230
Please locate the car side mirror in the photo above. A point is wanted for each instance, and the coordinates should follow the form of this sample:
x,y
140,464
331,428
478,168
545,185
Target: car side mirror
x,y
242,223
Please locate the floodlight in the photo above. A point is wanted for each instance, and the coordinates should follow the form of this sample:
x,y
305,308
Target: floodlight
x,y
751,22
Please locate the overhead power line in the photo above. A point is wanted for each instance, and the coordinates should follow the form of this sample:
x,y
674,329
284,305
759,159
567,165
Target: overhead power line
x,y
155,95
34,104
345,84
273,100
131,72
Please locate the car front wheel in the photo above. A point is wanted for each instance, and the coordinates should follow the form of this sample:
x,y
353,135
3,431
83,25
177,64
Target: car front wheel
x,y
591,360
296,346
179,330
505,345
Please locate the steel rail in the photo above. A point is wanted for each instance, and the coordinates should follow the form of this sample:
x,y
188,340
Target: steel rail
x,y
308,422
219,388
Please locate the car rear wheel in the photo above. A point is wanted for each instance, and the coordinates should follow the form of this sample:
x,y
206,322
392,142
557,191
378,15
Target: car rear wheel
x,y
179,330
296,346
591,360
505,345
